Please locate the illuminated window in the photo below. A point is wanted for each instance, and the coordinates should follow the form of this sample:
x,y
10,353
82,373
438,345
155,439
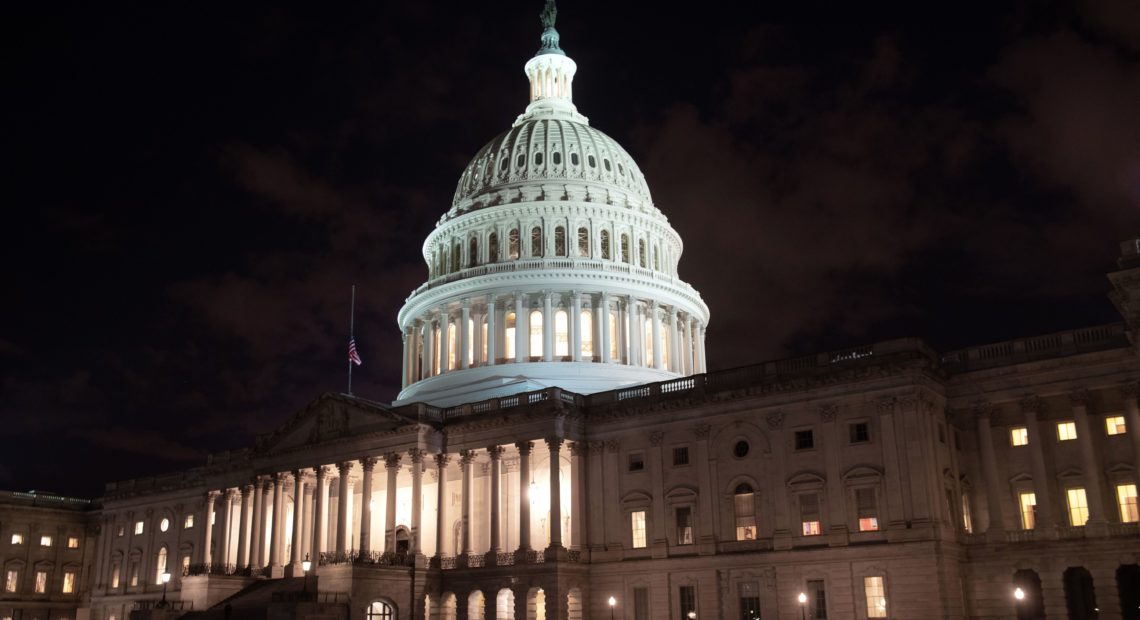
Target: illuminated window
x,y
1115,425
509,335
164,525
493,248
536,333
69,582
160,565
452,350
72,542
41,581
744,506
684,516
115,570
665,348
866,510
1066,431
138,527
1019,436
513,244
380,610
876,594
470,353
583,242
1028,503
809,514
624,248
614,344
967,520
586,334
45,541
637,528
434,359
120,531
1078,506
185,565
17,539
561,334
11,580
483,341
134,573
648,342
1126,498
605,245
559,241
536,241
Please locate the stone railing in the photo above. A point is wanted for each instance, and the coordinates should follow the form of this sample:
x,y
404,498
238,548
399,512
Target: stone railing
x,y
195,570
170,604
47,499
1089,339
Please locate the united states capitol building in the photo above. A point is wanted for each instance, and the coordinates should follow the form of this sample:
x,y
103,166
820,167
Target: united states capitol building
x,y
559,451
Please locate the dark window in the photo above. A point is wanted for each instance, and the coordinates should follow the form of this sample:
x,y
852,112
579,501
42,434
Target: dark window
x,y
536,241
583,242
538,159
805,440
740,450
684,525
590,160
636,461
641,604
559,241
503,164
493,248
621,170
607,164
817,598
957,440
522,160
513,243
860,432
681,455
749,592
574,158
688,596
606,245
556,157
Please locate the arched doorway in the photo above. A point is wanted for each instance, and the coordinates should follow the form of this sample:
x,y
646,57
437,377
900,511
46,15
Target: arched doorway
x,y
1128,584
574,604
1080,597
381,610
505,605
448,607
1032,605
403,540
475,605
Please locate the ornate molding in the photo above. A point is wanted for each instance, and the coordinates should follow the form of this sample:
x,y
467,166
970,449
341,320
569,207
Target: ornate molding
x,y
1080,397
983,408
828,411
466,457
578,448
525,447
1031,403
613,446
417,455
886,404
775,420
655,438
442,459
701,431
495,452
553,443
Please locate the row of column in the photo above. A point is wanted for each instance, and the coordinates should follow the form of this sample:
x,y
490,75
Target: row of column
x,y
1032,407
674,340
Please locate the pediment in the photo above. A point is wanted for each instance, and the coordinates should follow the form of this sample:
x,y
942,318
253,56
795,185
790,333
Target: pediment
x,y
330,417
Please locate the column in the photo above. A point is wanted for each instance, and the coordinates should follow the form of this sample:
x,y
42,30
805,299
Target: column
x,y
691,344
417,501
444,323
547,326
392,467
275,522
1094,487
298,519
524,448
1129,392
687,346
207,530
631,329
310,521
674,344
405,364
492,333
466,457
575,325
257,538
496,454
428,351
320,511
995,529
342,509
604,321
465,334
1032,406
366,466
522,329
224,535
658,345
243,526
441,460
702,362
577,488
555,445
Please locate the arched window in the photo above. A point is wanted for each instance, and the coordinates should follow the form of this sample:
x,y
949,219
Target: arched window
x,y
160,565
624,248
656,258
641,253
509,336
556,157
586,331
536,241
379,610
561,334
559,241
435,350
456,255
493,248
574,158
536,333
513,244
452,350
648,333
590,160
483,340
470,342
583,242
614,345
605,245
744,505
503,163
473,252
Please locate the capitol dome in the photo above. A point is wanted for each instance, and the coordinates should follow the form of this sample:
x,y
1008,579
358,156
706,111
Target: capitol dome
x,y
551,268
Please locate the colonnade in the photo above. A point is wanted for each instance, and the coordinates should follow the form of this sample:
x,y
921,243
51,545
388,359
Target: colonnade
x,y
556,326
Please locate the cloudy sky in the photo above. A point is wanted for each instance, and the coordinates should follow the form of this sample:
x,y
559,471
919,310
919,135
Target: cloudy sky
x,y
193,188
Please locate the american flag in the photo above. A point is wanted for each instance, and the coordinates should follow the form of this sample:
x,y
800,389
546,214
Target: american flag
x,y
353,356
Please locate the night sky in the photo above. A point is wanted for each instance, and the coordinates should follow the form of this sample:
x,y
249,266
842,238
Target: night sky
x,y
193,187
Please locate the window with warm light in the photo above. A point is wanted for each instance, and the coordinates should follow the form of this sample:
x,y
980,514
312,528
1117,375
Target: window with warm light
x,y
967,520
1019,436
134,574
637,528
115,571
648,342
164,525
1078,506
120,531
17,539
614,345
1126,499
866,510
483,341
536,334
509,336
72,542
470,353
138,527
160,565
41,581
684,516
45,541
561,334
1066,431
586,334
1028,504
188,522
876,594
11,580
744,505
69,582
1114,425
809,514
452,349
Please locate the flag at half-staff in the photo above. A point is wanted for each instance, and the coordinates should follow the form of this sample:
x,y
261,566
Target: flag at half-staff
x,y
353,356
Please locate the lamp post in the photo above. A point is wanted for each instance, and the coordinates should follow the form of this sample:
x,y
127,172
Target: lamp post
x,y
1018,599
612,602
692,615
165,577
305,566
802,598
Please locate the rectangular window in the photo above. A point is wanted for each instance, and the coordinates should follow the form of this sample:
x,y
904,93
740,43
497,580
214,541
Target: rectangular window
x,y
967,520
641,604
876,594
68,582
681,455
688,600
859,432
41,581
120,531
138,527
809,514
188,522
134,574
805,440
744,505
1126,496
1114,425
636,461
749,593
1066,431
17,539
185,565
72,542
1019,436
866,510
1078,506
1028,503
11,580
817,598
45,541
115,570
684,525
637,528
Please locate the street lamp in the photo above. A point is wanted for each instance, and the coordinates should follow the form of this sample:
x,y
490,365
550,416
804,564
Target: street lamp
x,y
1019,594
612,602
305,566
165,577
802,598
692,615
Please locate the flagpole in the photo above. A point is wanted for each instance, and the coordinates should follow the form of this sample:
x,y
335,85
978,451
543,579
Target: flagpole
x,y
351,335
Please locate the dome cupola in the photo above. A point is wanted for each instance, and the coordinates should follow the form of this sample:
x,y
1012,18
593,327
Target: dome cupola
x,y
552,267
